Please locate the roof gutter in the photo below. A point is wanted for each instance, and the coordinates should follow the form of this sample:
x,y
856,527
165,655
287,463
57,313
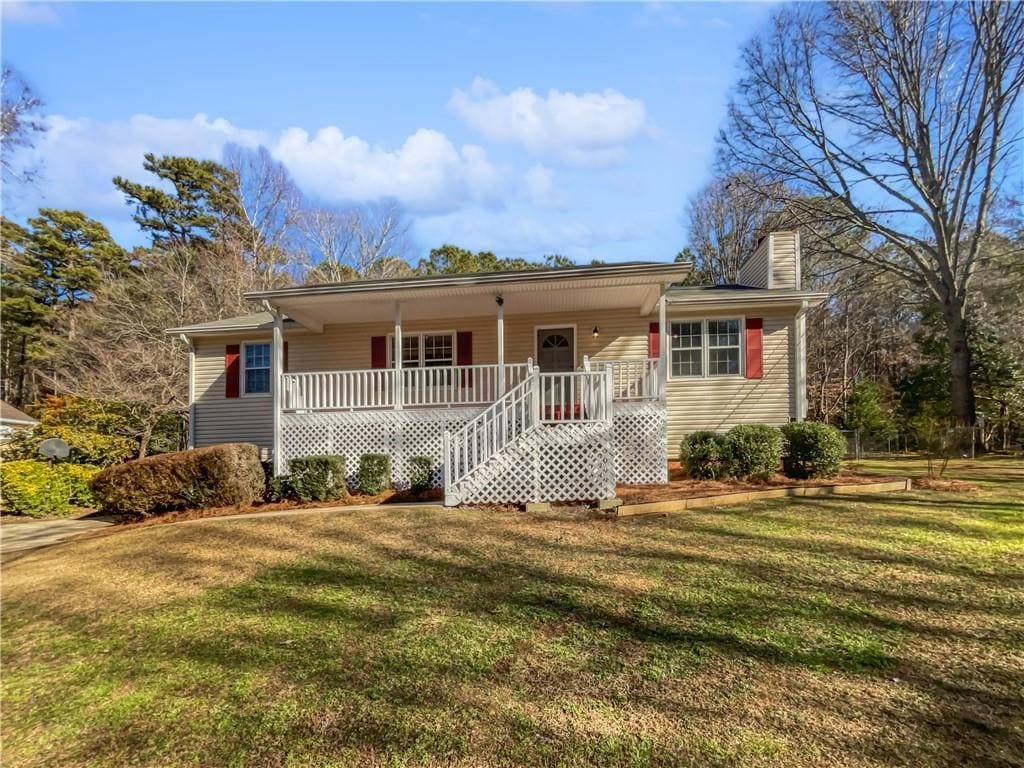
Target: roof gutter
x,y
479,279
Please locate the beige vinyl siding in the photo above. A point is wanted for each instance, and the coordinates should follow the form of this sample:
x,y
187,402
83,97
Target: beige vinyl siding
x,y
623,333
754,271
719,403
715,403
783,261
219,419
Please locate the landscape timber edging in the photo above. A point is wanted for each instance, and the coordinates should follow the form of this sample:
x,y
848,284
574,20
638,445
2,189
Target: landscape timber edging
x,y
695,502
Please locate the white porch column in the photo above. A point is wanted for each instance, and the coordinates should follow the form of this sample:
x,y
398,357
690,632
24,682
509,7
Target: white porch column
x,y
800,364
397,356
663,342
500,301
276,385
191,391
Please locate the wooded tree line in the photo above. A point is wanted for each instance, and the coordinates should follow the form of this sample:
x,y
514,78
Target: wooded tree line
x,y
888,133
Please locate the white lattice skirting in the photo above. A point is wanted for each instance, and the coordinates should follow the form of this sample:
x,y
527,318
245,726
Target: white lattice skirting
x,y
563,462
640,433
400,434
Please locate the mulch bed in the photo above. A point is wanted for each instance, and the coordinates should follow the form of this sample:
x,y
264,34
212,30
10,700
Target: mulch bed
x,y
939,484
681,486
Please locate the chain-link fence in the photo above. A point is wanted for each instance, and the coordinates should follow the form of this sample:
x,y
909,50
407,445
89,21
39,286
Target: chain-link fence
x,y
962,441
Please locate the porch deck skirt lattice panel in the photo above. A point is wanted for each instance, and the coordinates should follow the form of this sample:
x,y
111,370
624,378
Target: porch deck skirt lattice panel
x,y
641,431
400,434
563,462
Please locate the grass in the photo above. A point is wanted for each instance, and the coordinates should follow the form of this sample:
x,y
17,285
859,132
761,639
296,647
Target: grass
x,y
854,631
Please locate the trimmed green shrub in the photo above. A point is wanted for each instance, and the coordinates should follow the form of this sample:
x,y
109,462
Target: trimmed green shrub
x,y
275,488
706,455
421,471
41,489
756,449
374,473
315,478
813,449
218,476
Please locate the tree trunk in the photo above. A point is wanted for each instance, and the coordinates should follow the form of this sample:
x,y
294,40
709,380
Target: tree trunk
x,y
145,437
961,386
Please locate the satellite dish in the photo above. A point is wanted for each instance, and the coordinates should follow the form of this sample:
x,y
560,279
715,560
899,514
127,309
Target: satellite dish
x,y
54,448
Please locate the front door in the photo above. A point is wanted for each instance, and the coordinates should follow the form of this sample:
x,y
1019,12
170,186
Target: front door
x,y
555,350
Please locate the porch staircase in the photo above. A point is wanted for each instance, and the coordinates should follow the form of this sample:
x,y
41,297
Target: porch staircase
x,y
549,438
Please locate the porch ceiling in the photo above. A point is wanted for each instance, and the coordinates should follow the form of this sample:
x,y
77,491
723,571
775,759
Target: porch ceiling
x,y
423,302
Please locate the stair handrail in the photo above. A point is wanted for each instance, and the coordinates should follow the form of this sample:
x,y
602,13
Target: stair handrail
x,y
512,415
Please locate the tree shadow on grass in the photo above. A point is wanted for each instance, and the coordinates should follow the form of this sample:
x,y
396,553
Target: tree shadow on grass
x,y
391,651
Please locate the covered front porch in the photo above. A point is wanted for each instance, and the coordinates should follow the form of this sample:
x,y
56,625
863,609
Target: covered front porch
x,y
480,373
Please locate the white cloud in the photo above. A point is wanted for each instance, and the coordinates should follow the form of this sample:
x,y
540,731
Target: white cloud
x,y
426,174
586,129
79,158
21,12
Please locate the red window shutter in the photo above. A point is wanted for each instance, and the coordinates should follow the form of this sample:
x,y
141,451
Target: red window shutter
x,y
755,347
232,371
464,355
284,355
379,352
653,341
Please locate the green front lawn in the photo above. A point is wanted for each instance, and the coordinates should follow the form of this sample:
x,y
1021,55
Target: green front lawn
x,y
855,631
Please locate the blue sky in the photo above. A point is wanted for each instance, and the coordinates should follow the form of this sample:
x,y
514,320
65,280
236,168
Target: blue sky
x,y
569,128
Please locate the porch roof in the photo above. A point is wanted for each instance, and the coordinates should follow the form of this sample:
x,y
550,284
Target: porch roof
x,y
603,286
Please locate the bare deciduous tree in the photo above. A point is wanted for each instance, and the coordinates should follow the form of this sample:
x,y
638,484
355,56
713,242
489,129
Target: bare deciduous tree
x,y
270,206
369,241
724,221
903,115
19,124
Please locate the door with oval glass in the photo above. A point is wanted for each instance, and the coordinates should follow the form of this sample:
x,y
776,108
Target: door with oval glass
x,y
556,353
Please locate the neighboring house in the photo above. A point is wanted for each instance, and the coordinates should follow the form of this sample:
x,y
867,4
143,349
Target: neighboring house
x,y
13,420
532,385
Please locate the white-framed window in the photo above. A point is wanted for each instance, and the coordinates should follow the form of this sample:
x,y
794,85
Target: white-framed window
x,y
723,347
687,349
256,368
432,349
706,348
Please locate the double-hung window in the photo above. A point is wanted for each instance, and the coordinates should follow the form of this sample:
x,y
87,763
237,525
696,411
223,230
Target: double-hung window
x,y
686,349
427,350
702,348
257,368
723,347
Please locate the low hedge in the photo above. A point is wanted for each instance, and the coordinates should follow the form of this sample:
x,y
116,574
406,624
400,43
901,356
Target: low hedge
x,y
41,489
812,449
707,455
756,449
421,473
218,476
374,473
316,478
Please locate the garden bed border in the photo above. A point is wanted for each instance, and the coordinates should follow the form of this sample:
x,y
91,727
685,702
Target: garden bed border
x,y
694,502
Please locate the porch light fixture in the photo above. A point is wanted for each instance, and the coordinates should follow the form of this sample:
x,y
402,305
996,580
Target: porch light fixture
x,y
596,333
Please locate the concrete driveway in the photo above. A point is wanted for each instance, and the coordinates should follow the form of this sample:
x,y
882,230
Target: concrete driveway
x,y
20,536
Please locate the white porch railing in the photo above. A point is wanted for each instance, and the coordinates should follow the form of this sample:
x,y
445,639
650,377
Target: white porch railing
x,y
458,385
633,378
